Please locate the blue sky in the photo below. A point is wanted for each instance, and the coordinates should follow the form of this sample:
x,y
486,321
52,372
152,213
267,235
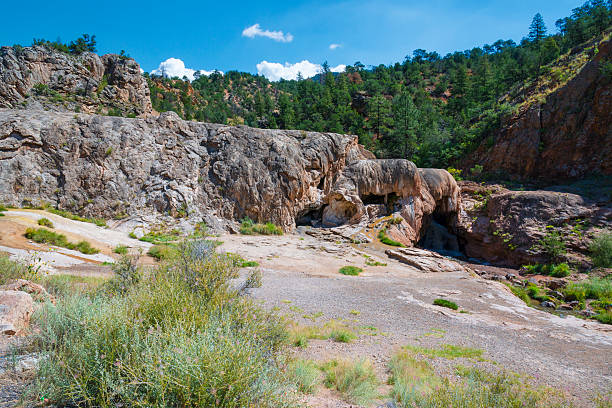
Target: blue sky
x,y
208,35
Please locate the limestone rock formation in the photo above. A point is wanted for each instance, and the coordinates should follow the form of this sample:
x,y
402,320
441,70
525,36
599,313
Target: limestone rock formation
x,y
116,167
16,307
425,261
506,227
568,135
41,77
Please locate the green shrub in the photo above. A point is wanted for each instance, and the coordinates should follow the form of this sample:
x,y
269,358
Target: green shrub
x,y
601,250
592,288
121,250
249,227
382,236
45,222
446,303
350,270
305,374
449,351
45,236
342,336
162,252
552,245
560,271
181,336
604,317
248,264
521,293
160,238
356,381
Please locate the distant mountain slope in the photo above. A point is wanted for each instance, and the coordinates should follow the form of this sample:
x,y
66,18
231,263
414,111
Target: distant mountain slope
x,y
563,125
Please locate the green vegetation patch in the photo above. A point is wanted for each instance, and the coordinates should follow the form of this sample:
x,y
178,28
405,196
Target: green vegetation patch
x,y
356,381
67,214
350,270
561,270
445,303
448,351
601,250
42,235
179,334
45,222
121,250
162,252
382,237
249,227
306,375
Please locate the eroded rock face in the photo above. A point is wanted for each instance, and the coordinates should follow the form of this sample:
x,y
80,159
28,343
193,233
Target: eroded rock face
x,y
506,227
567,136
40,77
108,166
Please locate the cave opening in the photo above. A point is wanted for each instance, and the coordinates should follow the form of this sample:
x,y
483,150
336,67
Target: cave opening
x,y
385,202
311,217
439,236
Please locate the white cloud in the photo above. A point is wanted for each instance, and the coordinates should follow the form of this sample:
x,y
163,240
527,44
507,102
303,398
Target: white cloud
x,y
174,67
334,46
256,31
274,71
338,68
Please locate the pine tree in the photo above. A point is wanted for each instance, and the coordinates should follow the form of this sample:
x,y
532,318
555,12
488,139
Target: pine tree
x,y
537,29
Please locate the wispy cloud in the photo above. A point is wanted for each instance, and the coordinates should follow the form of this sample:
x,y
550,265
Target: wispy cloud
x,y
275,71
174,67
334,46
256,31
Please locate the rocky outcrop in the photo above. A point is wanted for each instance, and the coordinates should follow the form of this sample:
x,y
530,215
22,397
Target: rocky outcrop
x,y
424,261
41,77
567,135
16,307
506,227
117,167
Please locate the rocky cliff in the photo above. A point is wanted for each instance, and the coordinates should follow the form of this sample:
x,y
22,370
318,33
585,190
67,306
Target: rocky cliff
x,y
39,77
561,130
125,168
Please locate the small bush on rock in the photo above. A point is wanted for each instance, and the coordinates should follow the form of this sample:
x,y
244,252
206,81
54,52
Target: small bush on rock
x,y
350,270
45,222
446,303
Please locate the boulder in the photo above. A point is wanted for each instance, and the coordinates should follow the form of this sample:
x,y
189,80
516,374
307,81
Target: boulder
x,y
38,293
505,227
16,307
425,261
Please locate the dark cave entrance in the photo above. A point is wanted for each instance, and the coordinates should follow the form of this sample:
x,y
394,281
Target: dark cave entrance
x,y
440,237
310,217
383,205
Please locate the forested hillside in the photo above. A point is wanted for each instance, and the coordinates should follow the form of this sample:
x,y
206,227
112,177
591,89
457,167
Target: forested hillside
x,y
428,108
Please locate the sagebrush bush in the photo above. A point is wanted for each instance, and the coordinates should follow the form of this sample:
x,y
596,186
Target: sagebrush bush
x,y
593,288
180,336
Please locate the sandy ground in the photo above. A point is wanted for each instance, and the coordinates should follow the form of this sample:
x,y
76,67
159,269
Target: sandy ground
x,y
390,306
300,277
